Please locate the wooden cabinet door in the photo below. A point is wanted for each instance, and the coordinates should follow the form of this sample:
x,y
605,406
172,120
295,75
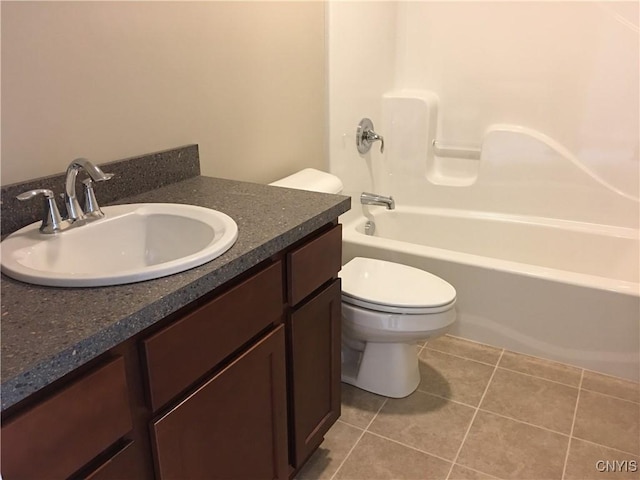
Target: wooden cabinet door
x,y
315,337
234,426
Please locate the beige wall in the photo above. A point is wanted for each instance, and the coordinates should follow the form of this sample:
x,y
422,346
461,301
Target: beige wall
x,y
109,80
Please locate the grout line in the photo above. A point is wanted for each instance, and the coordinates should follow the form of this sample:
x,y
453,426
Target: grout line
x,y
348,454
412,447
583,370
477,471
468,340
477,407
358,440
613,377
376,415
523,422
466,434
431,454
542,378
564,434
610,396
447,399
573,424
606,446
461,357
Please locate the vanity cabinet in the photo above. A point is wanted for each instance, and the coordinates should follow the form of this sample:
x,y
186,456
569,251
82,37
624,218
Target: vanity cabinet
x,y
241,384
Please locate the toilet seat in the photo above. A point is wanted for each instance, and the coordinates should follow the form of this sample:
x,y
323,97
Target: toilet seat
x,y
397,310
394,288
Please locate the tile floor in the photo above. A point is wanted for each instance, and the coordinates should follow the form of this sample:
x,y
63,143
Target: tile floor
x,y
481,412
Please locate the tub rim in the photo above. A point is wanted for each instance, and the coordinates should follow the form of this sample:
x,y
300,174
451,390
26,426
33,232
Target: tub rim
x,y
357,219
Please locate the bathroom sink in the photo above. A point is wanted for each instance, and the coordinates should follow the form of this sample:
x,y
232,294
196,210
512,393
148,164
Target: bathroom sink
x,y
131,243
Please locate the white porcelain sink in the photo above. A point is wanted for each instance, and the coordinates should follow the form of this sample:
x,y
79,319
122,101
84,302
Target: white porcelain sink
x,y
131,243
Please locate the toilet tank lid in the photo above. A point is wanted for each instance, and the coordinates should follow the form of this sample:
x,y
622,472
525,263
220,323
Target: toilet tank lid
x,y
394,284
312,180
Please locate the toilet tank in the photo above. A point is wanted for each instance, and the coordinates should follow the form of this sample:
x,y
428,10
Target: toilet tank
x,y
312,180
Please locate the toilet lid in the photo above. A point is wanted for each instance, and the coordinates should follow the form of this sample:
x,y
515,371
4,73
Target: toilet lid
x,y
379,284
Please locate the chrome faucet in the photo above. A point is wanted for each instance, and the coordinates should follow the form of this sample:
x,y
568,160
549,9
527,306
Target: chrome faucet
x,y
375,199
52,222
74,211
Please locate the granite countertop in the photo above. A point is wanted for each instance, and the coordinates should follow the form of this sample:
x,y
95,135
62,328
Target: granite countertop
x,y
48,332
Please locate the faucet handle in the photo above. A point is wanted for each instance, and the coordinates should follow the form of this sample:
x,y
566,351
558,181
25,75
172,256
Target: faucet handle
x,y
28,195
365,136
51,220
91,207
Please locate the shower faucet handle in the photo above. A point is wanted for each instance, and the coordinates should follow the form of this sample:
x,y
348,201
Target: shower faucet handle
x,y
365,136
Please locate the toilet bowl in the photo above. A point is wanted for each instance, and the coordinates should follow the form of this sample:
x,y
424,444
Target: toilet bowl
x,y
386,309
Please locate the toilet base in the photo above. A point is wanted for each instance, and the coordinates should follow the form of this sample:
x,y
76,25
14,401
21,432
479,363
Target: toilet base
x,y
388,369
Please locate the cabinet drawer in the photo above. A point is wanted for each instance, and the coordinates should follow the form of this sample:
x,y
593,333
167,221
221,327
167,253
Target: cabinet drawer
x,y
181,353
66,431
314,263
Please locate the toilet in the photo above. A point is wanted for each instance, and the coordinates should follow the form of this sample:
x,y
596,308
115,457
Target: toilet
x,y
387,308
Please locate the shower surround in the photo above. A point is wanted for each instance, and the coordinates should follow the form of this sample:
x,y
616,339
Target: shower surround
x,y
511,150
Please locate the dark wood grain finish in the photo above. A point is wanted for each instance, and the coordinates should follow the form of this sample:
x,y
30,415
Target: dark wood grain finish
x,y
234,426
313,264
315,330
120,466
66,431
181,353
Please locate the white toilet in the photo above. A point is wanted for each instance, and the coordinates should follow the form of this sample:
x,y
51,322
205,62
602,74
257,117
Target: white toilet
x,y
386,308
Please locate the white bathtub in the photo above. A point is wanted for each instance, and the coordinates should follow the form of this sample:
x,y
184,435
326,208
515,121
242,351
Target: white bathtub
x,y
555,289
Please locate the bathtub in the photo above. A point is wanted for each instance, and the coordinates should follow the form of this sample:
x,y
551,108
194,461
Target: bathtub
x,y
556,289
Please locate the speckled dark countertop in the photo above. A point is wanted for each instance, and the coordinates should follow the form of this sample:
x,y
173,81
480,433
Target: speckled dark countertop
x,y
47,332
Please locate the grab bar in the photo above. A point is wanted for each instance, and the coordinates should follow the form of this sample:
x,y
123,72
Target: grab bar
x,y
456,152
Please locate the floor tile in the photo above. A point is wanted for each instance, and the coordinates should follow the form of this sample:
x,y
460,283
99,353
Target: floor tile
x,y
463,473
594,462
616,387
453,377
376,458
359,406
513,450
324,463
465,348
531,399
608,421
539,367
429,423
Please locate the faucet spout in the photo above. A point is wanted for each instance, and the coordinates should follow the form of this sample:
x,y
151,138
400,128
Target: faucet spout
x,y
74,211
375,199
